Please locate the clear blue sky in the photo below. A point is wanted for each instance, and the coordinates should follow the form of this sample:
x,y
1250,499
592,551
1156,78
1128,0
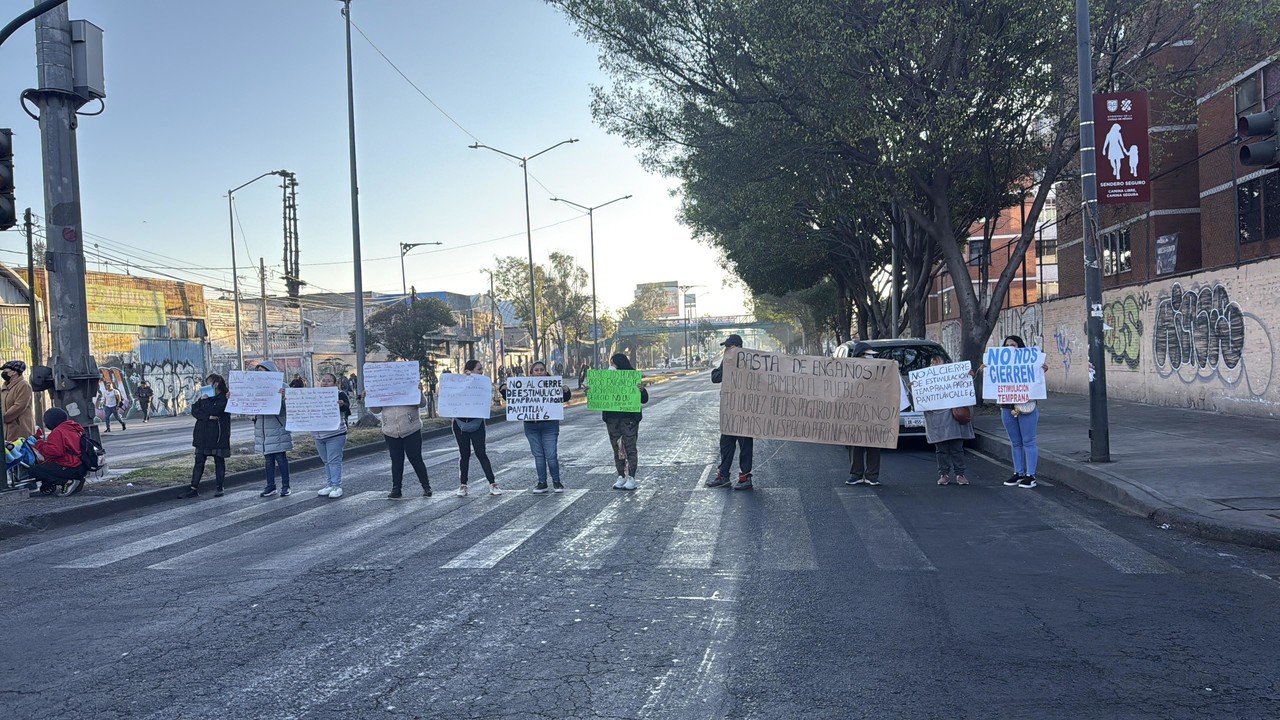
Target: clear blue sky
x,y
203,96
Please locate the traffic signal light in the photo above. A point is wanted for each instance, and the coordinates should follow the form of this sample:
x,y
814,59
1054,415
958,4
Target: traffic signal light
x,y
8,206
1261,124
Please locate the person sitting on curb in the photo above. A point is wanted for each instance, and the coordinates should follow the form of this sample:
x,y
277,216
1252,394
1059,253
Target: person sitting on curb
x,y
745,445
58,454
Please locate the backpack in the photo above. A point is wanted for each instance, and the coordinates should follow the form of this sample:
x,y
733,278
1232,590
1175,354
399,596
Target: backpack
x,y
92,454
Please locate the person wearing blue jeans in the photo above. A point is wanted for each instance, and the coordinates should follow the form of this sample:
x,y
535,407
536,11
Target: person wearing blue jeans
x,y
1020,423
544,438
329,443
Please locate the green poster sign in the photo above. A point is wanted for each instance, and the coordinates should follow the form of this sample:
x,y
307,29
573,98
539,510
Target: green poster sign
x,y
617,390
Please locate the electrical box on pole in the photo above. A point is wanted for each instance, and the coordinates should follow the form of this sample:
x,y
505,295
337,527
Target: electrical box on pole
x,y
87,77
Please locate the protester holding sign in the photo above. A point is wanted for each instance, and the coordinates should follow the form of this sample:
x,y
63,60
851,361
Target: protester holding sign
x,y
470,432
329,443
864,461
623,425
528,396
947,428
402,431
1020,422
211,436
273,440
744,445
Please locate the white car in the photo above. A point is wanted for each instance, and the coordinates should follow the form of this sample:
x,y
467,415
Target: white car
x,y
911,354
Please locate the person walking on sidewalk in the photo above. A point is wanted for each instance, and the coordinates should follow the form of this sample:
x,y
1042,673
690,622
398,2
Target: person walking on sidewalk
x,y
864,462
211,436
144,394
402,432
544,438
948,429
624,431
470,435
330,442
728,443
110,399
1020,422
16,399
273,441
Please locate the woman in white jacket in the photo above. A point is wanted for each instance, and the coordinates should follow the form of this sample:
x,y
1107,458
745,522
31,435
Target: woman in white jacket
x,y
402,430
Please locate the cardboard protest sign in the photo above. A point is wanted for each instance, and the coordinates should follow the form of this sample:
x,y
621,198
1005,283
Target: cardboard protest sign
x,y
810,398
392,383
254,392
939,387
1014,375
465,396
312,408
535,398
613,390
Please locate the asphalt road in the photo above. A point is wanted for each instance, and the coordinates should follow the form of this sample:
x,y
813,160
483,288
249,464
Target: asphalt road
x,y
803,598
162,436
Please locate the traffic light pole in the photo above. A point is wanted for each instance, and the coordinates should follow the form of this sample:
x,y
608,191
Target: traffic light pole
x,y
75,374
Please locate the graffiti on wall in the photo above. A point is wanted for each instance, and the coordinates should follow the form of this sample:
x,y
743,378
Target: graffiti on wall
x,y
335,365
1021,321
1201,334
175,369
1066,341
1122,329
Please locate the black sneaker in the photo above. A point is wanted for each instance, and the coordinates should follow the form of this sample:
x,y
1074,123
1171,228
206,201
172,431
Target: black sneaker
x,y
556,487
854,481
871,481
267,493
284,492
718,481
426,491
541,488
1027,481
395,494
1013,480
188,494
744,483
218,492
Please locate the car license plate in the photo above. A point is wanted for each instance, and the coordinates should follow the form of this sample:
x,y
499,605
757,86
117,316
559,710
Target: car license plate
x,y
913,422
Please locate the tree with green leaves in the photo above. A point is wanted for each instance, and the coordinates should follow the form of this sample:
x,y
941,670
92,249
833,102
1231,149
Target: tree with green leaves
x,y
408,330
560,287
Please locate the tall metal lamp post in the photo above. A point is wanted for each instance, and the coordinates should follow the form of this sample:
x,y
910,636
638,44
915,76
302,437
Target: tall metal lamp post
x,y
595,323
528,226
404,250
235,277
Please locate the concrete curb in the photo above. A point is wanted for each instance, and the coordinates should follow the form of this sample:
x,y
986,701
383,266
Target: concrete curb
x,y
1129,496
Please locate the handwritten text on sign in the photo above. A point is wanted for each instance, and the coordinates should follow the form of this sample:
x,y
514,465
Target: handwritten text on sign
x,y
939,387
1014,375
392,383
835,401
613,390
254,392
535,398
465,396
314,409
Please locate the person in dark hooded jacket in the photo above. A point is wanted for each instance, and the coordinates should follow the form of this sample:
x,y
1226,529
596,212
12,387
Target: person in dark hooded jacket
x,y
624,430
59,452
272,438
212,434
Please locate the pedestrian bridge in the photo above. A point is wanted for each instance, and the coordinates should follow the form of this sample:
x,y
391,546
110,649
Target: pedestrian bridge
x,y
678,325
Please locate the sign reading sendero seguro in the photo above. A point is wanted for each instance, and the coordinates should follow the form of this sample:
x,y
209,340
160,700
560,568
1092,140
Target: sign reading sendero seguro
x,y
810,398
535,398
1014,375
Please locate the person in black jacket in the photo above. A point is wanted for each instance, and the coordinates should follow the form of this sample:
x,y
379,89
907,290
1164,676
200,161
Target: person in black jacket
x,y
745,445
212,434
624,429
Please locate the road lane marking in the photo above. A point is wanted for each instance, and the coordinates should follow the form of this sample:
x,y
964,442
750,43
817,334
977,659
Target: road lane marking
x,y
786,542
886,541
338,542
491,550
589,548
390,555
1094,539
693,542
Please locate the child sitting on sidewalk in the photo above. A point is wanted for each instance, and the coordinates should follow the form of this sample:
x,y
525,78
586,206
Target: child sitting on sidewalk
x,y
947,433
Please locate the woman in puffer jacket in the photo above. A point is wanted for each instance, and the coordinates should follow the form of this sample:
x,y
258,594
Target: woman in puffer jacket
x,y
274,442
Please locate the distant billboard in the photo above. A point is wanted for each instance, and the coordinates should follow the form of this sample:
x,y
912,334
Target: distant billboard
x,y
670,291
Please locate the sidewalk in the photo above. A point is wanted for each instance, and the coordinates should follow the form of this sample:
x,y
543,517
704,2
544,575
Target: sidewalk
x,y
1212,475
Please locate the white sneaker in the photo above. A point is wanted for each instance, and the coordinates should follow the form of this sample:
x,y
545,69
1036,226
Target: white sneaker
x,y
621,484
630,484
494,490
324,491
462,491
335,493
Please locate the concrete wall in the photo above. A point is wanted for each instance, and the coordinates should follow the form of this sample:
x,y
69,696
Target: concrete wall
x,y
1206,340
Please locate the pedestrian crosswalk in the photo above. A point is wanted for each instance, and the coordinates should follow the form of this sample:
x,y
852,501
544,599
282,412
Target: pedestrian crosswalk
x,y
674,523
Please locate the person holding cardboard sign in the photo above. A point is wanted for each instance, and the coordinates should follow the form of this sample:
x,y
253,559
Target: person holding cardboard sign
x,y
947,429
274,441
402,431
544,438
470,434
744,445
624,429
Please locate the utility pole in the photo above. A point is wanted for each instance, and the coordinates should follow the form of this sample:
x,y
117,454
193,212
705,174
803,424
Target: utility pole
x,y
1099,432
33,314
355,220
292,271
74,373
262,317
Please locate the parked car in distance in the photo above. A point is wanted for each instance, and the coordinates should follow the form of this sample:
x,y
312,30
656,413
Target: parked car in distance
x,y
911,354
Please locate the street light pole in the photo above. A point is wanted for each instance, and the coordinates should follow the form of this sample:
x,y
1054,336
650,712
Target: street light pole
x,y
595,323
404,250
355,217
235,277
528,227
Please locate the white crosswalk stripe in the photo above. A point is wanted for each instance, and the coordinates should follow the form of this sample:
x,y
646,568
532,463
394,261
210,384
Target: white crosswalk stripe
x,y
693,542
787,543
326,544
1094,539
392,554
887,543
490,551
588,549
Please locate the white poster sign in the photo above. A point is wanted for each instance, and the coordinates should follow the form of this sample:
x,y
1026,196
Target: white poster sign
x,y
1014,375
254,392
465,396
392,383
939,387
313,409
535,398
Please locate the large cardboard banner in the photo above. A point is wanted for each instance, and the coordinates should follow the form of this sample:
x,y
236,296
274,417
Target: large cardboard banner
x,y
1014,375
810,398
613,390
939,387
535,398
254,392
312,409
392,383
465,396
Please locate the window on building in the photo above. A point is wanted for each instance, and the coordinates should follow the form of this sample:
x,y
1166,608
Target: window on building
x,y
1117,256
977,251
945,297
1258,203
1247,95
